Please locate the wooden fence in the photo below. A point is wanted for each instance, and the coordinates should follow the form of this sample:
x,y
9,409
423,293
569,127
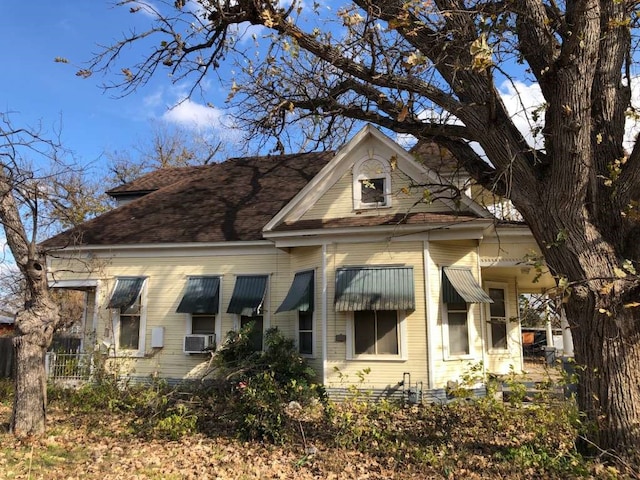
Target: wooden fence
x,y
7,357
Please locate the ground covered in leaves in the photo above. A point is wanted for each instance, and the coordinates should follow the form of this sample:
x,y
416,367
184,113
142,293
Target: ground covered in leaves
x,y
354,440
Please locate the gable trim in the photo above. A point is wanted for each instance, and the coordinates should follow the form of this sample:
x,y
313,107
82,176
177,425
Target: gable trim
x,y
337,167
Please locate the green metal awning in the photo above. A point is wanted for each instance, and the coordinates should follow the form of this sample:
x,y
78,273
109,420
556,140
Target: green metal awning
x,y
459,286
300,296
201,296
248,294
126,292
374,288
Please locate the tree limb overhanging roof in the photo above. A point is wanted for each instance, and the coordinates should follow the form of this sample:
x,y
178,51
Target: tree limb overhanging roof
x,y
229,201
222,202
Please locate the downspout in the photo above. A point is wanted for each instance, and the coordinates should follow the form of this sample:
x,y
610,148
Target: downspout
x,y
324,313
428,317
483,313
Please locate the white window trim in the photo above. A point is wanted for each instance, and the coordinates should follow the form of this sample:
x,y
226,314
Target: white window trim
x,y
115,323
359,176
403,351
504,286
313,335
444,312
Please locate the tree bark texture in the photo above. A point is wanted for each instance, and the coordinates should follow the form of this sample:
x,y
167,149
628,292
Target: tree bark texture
x,y
608,355
29,406
35,327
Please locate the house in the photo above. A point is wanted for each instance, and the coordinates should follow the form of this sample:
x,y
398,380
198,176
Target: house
x,y
7,323
366,257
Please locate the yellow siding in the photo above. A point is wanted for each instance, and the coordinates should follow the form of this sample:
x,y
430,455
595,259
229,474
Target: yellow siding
x,y
337,202
384,373
309,258
164,289
459,253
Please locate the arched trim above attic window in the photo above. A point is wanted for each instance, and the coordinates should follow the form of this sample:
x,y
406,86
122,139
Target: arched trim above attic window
x,y
371,183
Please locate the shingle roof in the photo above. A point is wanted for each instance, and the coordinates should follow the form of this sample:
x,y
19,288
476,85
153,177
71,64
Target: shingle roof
x,y
156,180
438,159
228,201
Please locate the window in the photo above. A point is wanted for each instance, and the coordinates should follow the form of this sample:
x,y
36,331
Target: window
x,y
497,319
300,298
128,321
203,323
305,333
371,183
129,337
372,191
201,301
375,332
457,322
256,335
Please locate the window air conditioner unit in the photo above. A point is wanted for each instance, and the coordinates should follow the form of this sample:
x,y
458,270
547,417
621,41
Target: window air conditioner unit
x,y
199,343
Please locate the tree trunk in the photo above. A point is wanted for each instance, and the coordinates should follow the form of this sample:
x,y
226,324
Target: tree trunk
x,y
34,331
607,357
29,406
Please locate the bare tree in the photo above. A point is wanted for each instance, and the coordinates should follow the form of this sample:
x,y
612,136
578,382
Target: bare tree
x,y
22,193
433,69
167,147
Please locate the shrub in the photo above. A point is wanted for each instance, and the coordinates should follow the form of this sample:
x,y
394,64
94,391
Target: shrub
x,y
260,385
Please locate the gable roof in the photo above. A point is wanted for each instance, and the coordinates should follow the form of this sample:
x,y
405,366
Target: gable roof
x,y
344,160
228,201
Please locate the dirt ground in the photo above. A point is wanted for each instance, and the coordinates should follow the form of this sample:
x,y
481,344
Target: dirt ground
x,y
537,370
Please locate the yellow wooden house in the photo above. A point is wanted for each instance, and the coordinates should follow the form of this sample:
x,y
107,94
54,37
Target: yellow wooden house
x,y
365,256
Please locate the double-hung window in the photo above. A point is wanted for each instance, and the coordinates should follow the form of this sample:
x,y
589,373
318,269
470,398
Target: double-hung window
x,y
376,332
247,302
457,322
301,299
459,289
376,299
129,325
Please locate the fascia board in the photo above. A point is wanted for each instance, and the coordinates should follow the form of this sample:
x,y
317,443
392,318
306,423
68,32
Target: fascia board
x,y
517,233
472,231
167,250
328,176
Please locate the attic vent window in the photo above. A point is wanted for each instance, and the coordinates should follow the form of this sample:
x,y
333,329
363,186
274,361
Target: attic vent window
x,y
372,191
371,184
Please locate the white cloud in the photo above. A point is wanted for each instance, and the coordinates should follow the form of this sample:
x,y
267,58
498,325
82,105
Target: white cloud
x,y
521,101
194,115
632,125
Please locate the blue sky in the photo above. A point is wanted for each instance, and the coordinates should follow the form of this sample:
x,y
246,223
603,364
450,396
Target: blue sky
x,y
38,90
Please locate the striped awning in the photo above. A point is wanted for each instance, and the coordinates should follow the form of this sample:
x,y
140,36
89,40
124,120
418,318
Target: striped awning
x,y
201,296
300,296
374,288
248,294
126,292
459,286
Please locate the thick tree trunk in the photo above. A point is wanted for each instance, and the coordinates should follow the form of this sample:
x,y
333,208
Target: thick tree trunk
x,y
35,327
608,355
29,406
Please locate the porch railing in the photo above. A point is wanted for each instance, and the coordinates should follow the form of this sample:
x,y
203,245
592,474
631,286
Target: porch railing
x,y
68,368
